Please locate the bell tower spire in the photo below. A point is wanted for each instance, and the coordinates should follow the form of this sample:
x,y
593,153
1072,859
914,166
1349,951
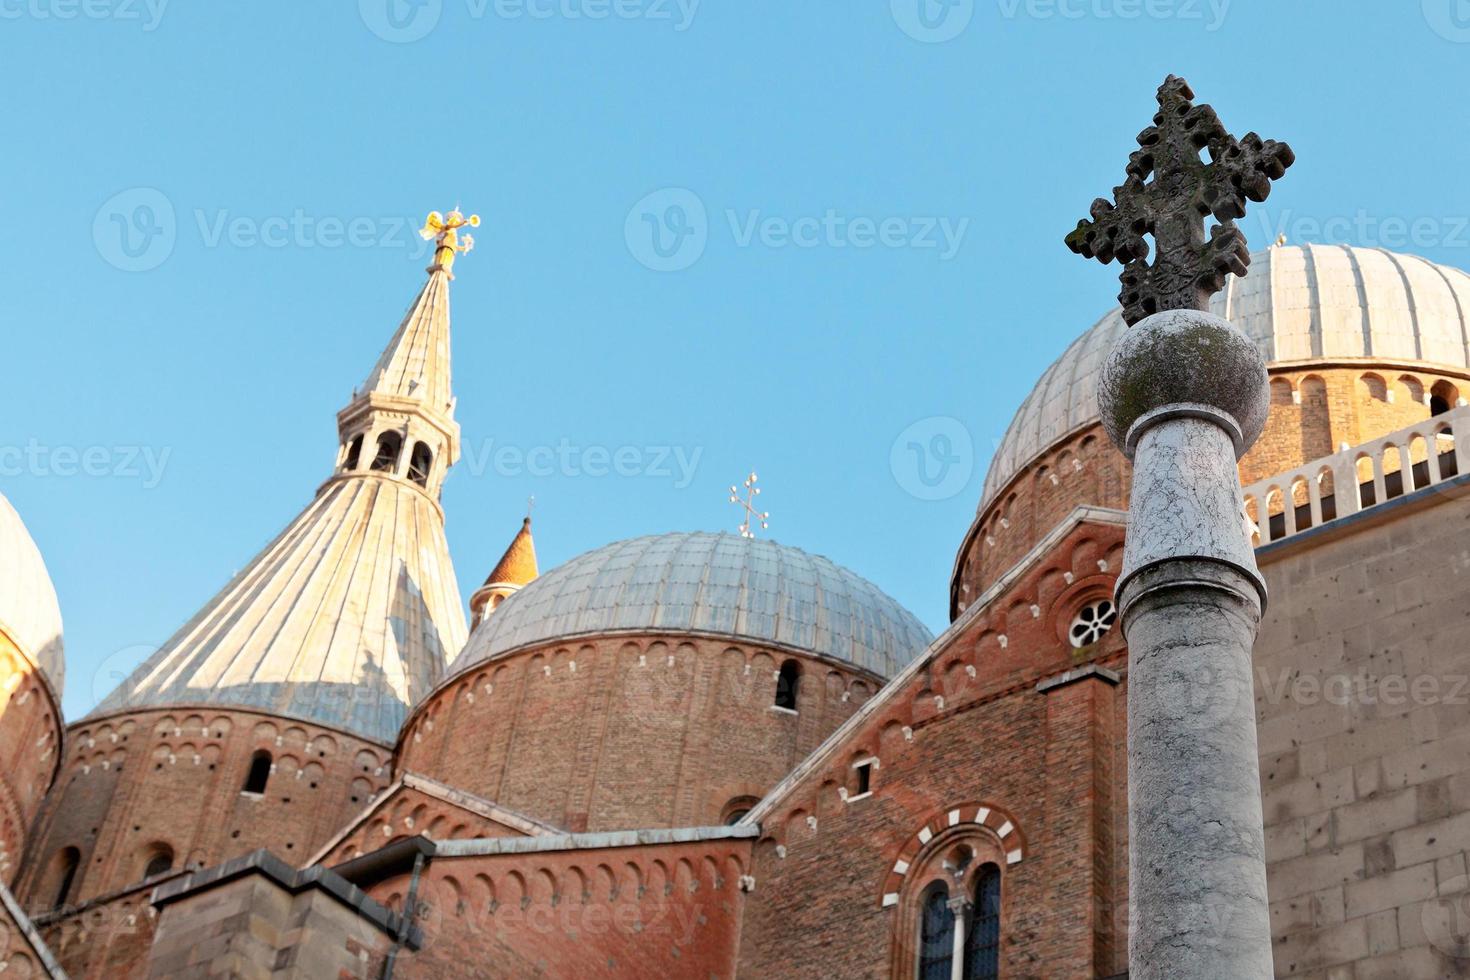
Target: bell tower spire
x,y
400,422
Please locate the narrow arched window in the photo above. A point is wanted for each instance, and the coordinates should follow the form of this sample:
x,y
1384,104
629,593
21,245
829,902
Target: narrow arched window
x,y
1443,397
354,453
982,942
260,772
419,463
161,859
67,862
390,444
787,682
936,935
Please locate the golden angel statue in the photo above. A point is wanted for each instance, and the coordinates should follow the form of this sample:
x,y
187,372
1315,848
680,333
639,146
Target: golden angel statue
x,y
443,229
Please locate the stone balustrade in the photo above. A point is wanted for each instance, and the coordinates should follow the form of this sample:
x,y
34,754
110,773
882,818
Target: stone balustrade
x,y
1357,478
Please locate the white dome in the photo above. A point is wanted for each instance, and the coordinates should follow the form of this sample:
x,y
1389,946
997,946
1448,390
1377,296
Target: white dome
x,y
29,613
1298,303
706,583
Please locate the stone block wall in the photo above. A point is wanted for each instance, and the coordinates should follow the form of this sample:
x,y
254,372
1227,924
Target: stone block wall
x,y
257,918
1363,704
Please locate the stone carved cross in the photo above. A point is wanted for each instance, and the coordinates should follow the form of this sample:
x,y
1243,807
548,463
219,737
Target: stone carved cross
x,y
1172,207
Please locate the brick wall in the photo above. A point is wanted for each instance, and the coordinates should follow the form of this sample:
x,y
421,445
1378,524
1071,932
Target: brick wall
x,y
30,745
627,732
133,782
658,910
408,812
969,733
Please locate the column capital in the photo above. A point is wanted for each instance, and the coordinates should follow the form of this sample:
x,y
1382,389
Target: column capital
x,y
1182,363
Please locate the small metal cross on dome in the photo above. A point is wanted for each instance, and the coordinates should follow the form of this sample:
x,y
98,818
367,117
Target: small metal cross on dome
x,y
1172,207
747,503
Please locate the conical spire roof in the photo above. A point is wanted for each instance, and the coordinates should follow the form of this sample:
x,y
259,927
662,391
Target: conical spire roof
x,y
415,365
518,565
349,616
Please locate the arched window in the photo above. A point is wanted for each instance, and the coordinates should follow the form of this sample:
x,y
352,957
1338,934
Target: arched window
x,y
390,444
1374,387
787,683
160,859
736,809
982,942
66,870
419,463
260,772
354,454
936,935
1443,397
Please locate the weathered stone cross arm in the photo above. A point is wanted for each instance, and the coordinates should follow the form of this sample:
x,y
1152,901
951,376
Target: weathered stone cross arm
x,y
1172,207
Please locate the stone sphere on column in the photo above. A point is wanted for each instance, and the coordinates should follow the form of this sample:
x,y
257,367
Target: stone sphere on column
x,y
1182,358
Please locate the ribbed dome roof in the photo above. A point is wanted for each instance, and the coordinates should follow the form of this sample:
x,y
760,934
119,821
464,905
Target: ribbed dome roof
x,y
699,582
29,613
1298,303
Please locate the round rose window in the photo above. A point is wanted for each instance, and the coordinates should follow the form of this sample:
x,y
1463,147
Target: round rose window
x,y
1091,622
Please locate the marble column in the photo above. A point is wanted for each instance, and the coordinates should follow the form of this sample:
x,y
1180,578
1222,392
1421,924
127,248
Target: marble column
x,y
1184,395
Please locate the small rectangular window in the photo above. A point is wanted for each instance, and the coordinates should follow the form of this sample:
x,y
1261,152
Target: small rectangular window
x,y
861,783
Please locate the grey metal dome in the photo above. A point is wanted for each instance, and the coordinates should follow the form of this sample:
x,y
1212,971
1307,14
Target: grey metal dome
x,y
1298,303
699,582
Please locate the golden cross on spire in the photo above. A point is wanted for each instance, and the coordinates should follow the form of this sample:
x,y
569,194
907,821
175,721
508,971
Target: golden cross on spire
x,y
443,230
748,504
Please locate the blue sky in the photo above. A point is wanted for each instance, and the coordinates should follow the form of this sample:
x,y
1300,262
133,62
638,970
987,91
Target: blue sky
x,y
860,214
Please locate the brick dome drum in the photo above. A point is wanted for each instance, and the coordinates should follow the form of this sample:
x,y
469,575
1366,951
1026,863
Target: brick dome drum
x,y
1299,303
705,583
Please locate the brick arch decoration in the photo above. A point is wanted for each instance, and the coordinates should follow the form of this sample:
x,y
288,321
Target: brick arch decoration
x,y
988,815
